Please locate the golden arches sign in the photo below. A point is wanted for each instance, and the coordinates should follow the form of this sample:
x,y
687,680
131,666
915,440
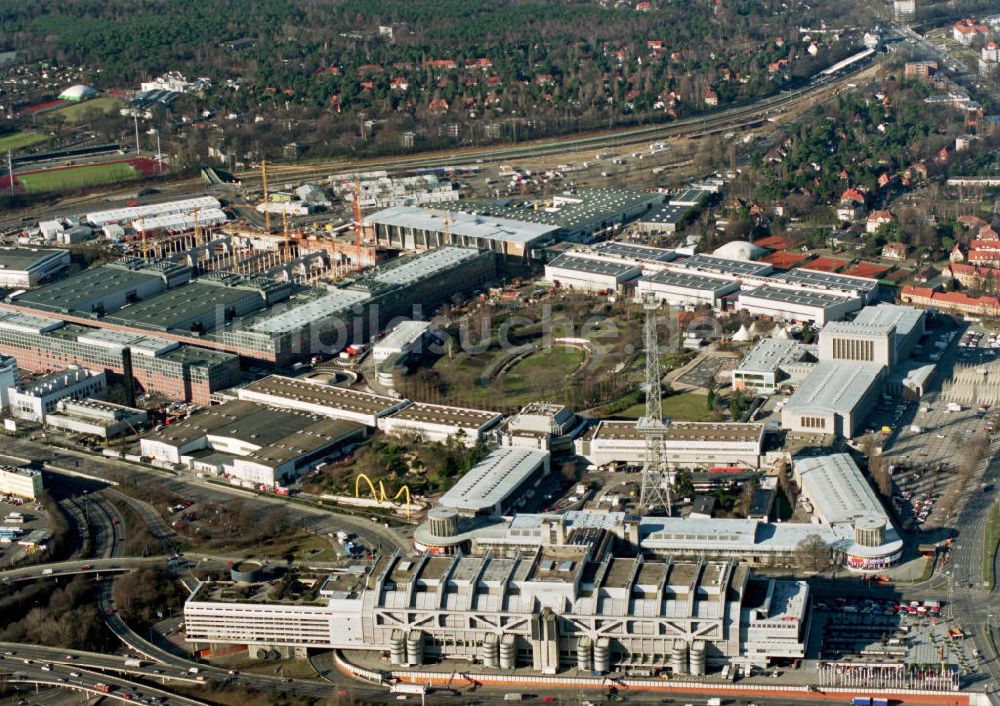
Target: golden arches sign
x,y
380,495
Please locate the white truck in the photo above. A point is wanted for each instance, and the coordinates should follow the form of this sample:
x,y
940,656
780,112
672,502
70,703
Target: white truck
x,y
954,407
133,662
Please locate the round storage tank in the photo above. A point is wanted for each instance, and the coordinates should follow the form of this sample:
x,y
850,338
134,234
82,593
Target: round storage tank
x,y
443,521
869,531
246,572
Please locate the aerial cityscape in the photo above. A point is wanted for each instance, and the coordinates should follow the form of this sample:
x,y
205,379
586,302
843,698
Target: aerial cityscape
x,y
585,352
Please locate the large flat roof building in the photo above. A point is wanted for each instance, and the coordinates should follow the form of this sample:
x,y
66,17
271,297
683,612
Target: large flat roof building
x,y
686,444
737,269
559,607
582,216
259,444
415,228
908,322
496,484
835,399
831,281
686,288
104,289
23,268
320,398
440,423
787,303
134,213
590,274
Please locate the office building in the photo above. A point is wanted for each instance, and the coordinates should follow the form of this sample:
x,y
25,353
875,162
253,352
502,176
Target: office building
x,y
33,400
773,363
252,444
9,376
178,371
23,268
21,482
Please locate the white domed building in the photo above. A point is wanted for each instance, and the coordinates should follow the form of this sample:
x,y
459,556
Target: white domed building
x,y
739,250
77,93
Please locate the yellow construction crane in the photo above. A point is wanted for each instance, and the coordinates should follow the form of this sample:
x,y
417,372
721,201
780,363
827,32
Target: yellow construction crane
x,y
288,236
267,212
197,229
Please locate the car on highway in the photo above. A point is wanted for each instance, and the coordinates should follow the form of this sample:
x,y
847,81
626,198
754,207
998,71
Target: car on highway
x,y
75,675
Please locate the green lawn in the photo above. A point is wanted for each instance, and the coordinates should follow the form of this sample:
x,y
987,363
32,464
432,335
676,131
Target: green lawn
x,y
20,140
683,407
75,111
542,370
990,545
77,177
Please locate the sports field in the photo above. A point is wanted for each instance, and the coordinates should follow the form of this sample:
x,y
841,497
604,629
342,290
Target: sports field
x,y
74,112
76,177
20,140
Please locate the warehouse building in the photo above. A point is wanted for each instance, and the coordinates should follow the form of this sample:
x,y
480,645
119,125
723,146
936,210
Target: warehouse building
x,y
774,363
572,606
152,210
687,289
686,445
35,399
850,285
201,306
498,483
746,272
104,289
663,219
434,422
251,443
178,371
590,274
180,222
584,216
408,286
835,399
24,268
650,259
318,398
407,338
414,228
797,304
99,418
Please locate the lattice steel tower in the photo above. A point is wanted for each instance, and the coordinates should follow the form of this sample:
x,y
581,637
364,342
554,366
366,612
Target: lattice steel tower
x,y
655,479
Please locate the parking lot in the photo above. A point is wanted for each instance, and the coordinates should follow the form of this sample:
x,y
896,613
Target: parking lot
x,y
18,521
915,632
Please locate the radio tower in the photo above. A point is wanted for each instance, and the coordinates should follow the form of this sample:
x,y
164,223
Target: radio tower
x,y
655,492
